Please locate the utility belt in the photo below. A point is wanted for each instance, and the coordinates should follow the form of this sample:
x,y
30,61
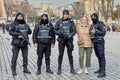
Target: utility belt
x,y
44,37
98,37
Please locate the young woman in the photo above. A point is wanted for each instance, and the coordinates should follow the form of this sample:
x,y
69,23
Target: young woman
x,y
84,44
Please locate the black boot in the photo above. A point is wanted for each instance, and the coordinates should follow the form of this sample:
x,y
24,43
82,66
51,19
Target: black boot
x,y
72,69
38,71
13,71
98,71
48,70
102,74
59,70
26,70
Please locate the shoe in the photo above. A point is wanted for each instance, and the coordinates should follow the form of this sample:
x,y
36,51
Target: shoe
x,y
86,71
38,71
48,70
102,74
13,71
73,71
98,71
80,71
59,70
26,70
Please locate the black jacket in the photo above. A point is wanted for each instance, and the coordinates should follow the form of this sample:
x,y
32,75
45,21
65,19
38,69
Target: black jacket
x,y
43,40
72,30
14,33
100,31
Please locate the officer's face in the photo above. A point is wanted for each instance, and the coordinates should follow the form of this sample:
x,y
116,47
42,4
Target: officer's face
x,y
20,17
93,17
44,17
65,16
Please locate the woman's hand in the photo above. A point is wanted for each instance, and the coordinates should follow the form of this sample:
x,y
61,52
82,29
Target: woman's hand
x,y
52,46
35,45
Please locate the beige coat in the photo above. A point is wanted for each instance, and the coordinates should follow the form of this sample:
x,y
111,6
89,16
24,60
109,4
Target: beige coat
x,y
83,35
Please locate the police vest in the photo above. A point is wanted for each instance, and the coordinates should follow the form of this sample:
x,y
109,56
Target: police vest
x,y
22,29
44,31
94,36
66,27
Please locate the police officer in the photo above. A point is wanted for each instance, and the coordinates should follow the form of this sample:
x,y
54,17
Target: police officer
x,y
44,39
3,27
97,32
19,26
65,29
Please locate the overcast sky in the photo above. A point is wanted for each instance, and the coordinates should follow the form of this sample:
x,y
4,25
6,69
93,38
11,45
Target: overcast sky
x,y
56,3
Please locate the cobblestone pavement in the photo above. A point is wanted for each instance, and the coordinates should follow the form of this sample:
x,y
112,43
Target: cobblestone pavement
x,y
112,58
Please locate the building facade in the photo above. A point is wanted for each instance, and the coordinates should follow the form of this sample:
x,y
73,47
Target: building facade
x,y
2,12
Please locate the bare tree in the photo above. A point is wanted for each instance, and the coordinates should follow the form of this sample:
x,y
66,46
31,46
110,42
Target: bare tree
x,y
27,9
107,8
23,6
9,8
78,10
103,7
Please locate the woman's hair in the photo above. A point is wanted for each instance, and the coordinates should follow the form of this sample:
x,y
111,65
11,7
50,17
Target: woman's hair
x,y
86,18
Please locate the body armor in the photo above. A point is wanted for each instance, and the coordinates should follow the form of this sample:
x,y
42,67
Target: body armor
x,y
22,29
44,31
65,28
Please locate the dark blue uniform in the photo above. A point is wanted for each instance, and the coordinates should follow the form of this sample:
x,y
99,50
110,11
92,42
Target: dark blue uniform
x,y
99,44
44,36
3,27
65,29
18,44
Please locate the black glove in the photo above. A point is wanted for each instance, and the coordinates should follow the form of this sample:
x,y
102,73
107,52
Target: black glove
x,y
69,36
60,33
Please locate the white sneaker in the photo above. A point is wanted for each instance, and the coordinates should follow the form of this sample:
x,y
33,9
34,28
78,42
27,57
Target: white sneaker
x,y
80,71
86,71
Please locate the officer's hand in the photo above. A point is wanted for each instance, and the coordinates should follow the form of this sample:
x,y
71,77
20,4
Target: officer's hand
x,y
60,32
60,25
52,46
21,37
69,36
93,31
35,45
0,27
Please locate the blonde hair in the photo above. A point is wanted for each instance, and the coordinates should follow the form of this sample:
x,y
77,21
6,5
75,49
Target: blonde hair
x,y
86,18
